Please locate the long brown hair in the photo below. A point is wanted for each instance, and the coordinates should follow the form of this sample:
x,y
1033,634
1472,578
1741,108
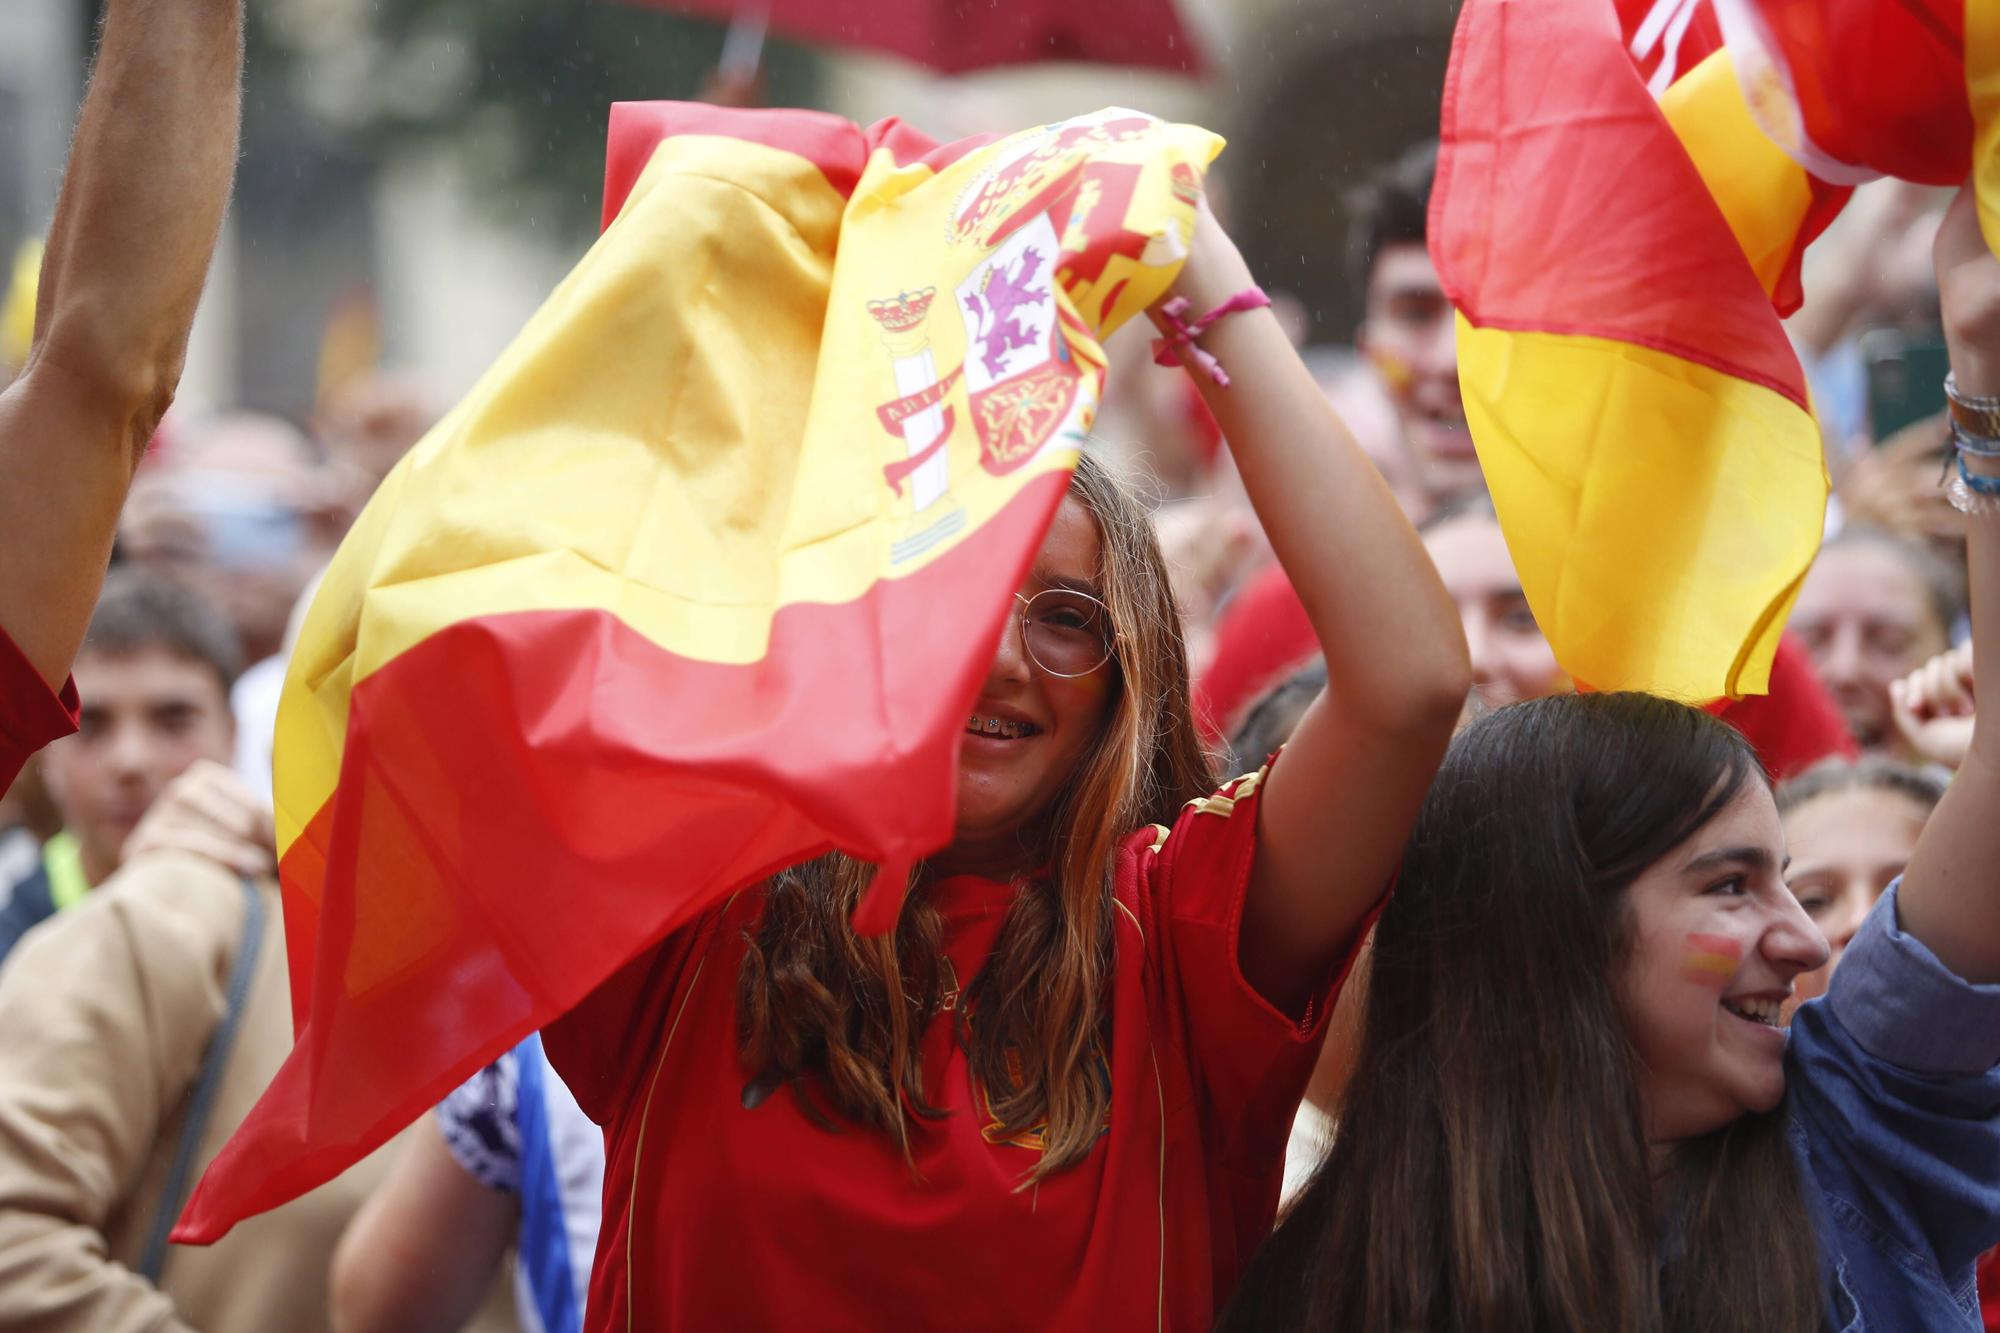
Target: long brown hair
x,y
839,1017
1490,1171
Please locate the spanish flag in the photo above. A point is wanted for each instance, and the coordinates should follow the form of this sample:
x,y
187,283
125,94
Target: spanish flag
x,y
1640,417
1623,198
1904,88
699,582
1859,89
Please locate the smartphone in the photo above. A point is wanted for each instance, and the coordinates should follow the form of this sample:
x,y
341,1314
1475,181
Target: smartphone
x,y
1905,378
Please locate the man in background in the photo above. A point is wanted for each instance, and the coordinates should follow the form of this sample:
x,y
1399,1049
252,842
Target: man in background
x,y
1408,332
1874,607
147,1006
155,671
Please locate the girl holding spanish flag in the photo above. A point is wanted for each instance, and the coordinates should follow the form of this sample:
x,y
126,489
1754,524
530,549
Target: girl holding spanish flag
x,y
1575,1105
1057,1095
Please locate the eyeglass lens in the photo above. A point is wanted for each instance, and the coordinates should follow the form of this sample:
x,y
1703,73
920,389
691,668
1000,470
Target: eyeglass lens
x,y
1067,633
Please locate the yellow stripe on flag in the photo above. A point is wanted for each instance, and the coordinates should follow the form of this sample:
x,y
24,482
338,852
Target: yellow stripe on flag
x,y
1735,486
582,470
1762,192
1982,91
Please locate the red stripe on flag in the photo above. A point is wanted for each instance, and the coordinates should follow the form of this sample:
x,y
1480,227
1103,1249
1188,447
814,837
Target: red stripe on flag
x,y
524,807
836,146
1564,202
1879,83
1677,35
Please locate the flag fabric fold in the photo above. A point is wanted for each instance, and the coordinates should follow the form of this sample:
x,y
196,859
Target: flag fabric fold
x,y
1639,415
1624,196
1859,89
698,582
1903,88
1982,96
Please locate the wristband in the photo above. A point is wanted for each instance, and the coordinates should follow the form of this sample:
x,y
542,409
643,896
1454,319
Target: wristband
x,y
1178,339
1973,415
1979,446
1972,493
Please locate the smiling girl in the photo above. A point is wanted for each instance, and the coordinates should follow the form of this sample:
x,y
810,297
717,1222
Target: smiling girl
x,y
1056,1095
1575,1106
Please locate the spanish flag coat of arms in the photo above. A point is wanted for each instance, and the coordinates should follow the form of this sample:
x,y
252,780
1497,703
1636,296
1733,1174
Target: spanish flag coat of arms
x,y
699,582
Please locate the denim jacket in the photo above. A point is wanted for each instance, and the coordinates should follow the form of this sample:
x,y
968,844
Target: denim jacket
x,y
1894,1104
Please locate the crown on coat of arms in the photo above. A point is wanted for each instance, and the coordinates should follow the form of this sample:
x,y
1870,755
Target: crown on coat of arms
x,y
903,311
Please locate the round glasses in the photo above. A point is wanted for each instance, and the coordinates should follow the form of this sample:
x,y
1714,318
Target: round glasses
x,y
1066,633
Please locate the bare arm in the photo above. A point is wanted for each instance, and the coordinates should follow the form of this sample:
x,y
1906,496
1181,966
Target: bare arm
x,y
1337,810
1950,897
134,227
421,1254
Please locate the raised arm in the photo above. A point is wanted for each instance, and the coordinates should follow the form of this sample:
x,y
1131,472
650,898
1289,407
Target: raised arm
x,y
1950,898
1338,807
135,224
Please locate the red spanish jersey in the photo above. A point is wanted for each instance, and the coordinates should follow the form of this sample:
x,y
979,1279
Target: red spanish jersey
x,y
31,714
721,1217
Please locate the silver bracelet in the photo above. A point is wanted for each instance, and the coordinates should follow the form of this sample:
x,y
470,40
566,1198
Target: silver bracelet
x,y
1979,446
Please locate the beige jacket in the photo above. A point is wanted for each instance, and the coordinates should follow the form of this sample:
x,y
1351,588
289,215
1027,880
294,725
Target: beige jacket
x,y
105,1013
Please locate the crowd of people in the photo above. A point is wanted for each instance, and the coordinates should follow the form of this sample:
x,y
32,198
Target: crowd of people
x,y
1477,1001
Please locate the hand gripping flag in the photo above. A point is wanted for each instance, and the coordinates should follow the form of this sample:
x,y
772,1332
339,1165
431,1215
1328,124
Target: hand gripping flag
x,y
699,582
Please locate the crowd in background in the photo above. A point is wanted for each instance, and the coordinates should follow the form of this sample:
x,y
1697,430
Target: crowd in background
x,y
231,515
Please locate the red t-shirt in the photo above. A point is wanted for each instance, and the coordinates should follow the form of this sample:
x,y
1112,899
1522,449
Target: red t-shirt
x,y
720,1217
31,715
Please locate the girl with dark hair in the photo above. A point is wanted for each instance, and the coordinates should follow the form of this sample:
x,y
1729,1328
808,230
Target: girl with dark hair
x,y
1056,1095
1574,1107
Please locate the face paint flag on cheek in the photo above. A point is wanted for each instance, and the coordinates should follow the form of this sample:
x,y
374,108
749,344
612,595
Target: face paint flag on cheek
x,y
1710,960
1395,371
699,582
